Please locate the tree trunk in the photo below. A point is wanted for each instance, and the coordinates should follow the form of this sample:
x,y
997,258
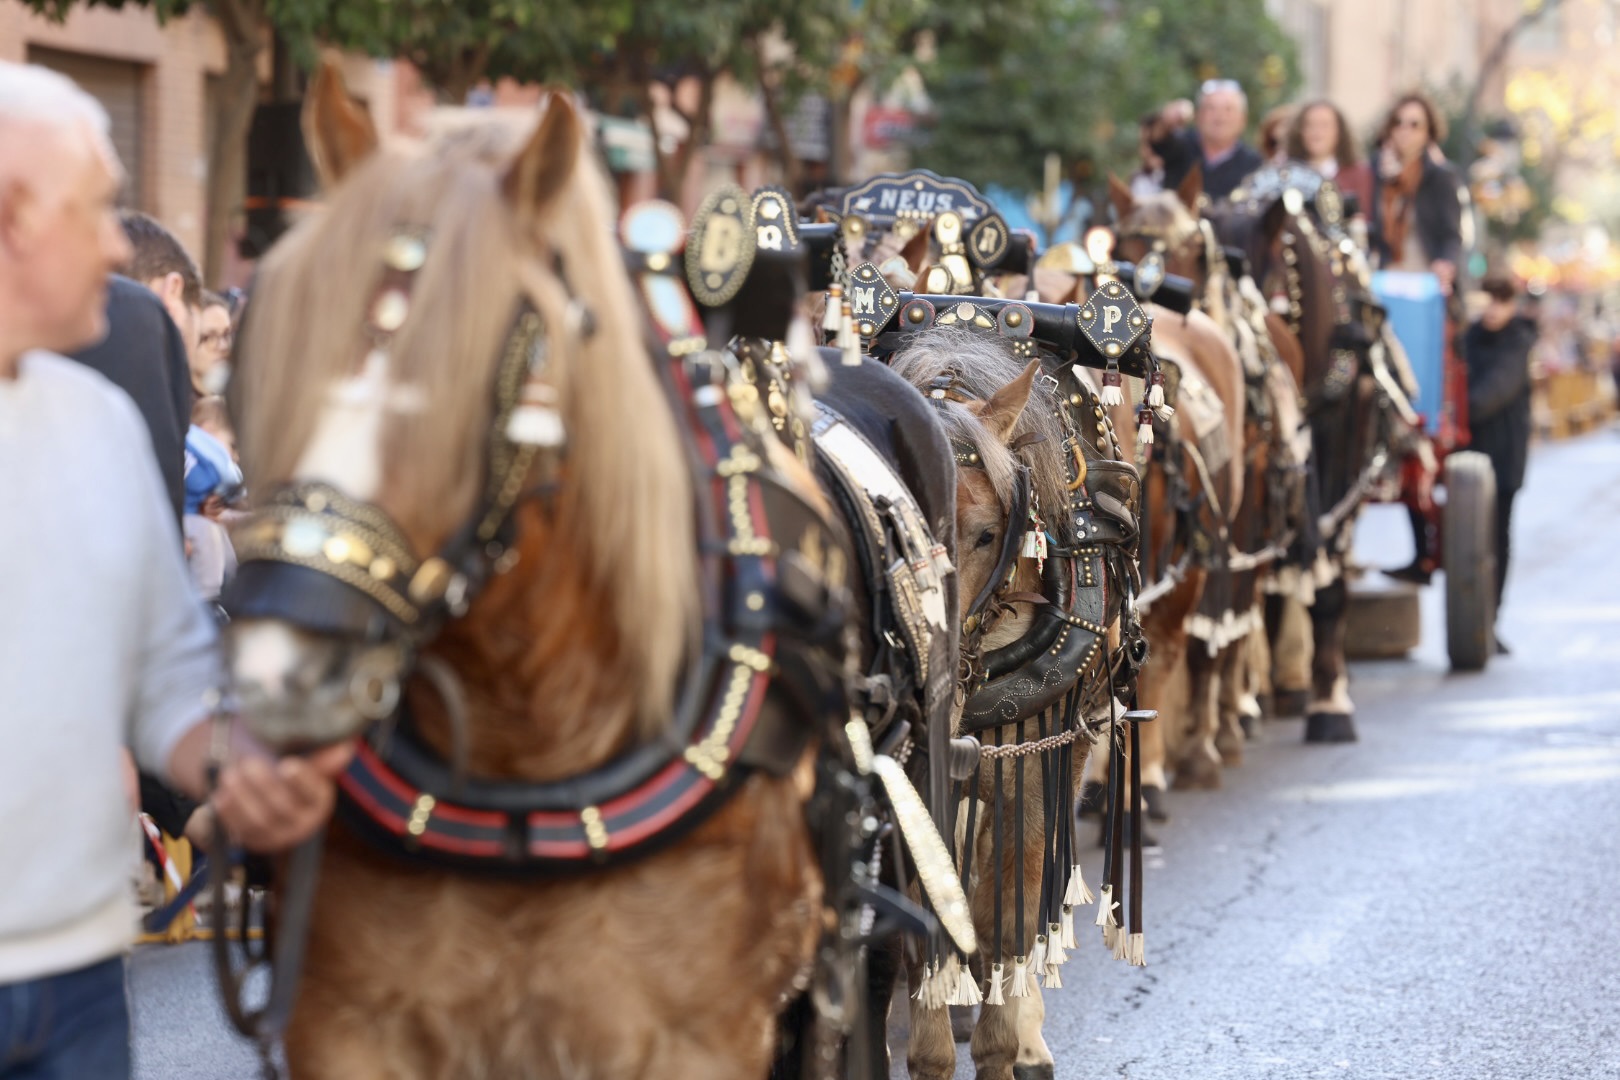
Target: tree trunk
x,y
792,172
1487,69
242,22
697,137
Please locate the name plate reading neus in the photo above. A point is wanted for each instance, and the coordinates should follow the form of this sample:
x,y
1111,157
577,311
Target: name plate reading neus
x,y
774,226
720,247
1112,320
918,194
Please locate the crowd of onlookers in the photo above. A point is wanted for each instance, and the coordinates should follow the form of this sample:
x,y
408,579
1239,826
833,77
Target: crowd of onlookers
x,y
1408,207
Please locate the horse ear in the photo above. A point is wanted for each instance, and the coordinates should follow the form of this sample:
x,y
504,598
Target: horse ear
x,y
916,251
1119,193
1000,414
1191,187
543,166
338,130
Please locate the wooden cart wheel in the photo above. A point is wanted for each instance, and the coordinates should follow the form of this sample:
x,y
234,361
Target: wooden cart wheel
x,y
1468,554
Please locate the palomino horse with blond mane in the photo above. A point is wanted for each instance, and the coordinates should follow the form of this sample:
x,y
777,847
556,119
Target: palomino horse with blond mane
x,y
593,685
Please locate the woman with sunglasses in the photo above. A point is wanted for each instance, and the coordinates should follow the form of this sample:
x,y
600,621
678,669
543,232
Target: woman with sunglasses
x,y
1417,209
1417,197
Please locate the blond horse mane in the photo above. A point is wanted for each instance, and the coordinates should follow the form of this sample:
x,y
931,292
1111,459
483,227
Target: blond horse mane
x,y
624,515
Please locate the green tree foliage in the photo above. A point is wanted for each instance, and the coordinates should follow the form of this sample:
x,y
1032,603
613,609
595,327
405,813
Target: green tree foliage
x,y
1078,74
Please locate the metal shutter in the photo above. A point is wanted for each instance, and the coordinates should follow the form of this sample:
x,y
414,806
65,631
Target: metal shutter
x,y
117,85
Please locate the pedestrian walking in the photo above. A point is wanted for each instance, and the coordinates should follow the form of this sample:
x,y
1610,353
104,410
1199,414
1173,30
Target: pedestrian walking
x,y
1496,348
102,640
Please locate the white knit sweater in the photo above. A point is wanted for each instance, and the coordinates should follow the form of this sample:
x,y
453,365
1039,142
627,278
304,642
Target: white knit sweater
x,y
103,643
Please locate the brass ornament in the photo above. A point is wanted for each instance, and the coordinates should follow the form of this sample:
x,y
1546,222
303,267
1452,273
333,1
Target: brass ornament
x,y
1112,320
390,310
721,247
872,301
988,241
935,869
405,252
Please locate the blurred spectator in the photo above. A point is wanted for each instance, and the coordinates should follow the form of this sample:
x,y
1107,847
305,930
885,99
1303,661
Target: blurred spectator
x,y
1274,134
216,334
1215,142
1320,138
1497,350
1417,197
213,482
162,264
1149,176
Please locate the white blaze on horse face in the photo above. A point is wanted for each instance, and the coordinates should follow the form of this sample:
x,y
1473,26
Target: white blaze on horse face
x,y
264,653
346,449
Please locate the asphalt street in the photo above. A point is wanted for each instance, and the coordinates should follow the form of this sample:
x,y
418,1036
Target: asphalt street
x,y
1435,901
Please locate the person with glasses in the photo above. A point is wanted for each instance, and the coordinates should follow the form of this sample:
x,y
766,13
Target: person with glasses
x,y
210,364
1417,226
1215,141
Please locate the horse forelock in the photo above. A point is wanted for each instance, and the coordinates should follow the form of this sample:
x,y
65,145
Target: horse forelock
x,y
1160,216
624,516
978,366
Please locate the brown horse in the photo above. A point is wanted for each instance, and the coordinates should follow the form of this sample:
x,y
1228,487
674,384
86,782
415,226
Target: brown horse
x,y
1264,525
991,403
568,658
1300,259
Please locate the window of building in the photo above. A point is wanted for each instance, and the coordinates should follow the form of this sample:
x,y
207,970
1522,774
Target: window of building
x,y
118,86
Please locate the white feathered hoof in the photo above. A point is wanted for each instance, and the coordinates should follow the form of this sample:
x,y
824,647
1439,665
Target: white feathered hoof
x,y
1044,1071
1330,727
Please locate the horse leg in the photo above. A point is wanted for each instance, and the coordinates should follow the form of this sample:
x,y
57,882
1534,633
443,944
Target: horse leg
x,y
1007,1042
931,1049
883,963
1199,765
1288,625
1229,673
1331,714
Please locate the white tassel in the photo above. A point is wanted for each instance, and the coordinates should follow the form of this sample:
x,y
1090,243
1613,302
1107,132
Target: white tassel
x,y
922,984
1144,427
1164,412
995,996
1156,392
849,343
1110,933
1052,978
1020,979
1138,956
1055,956
1105,908
832,314
1037,955
1078,894
1068,938
1112,394
1122,943
967,990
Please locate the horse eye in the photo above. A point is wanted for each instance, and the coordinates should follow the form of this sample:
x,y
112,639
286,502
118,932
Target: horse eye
x,y
986,538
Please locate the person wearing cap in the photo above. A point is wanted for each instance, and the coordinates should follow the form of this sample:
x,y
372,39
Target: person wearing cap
x,y
1214,142
103,641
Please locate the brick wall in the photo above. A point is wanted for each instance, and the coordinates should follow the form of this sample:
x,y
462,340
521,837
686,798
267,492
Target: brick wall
x,y
174,61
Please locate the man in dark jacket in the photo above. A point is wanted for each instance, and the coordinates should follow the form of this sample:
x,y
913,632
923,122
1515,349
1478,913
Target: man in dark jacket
x,y
144,355
1214,143
1497,350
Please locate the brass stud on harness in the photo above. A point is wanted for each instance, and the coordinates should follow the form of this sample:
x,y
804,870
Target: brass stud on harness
x,y
417,825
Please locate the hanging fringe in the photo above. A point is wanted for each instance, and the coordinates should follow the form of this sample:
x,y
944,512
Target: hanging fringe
x,y
1121,943
1037,955
1078,894
1052,978
995,997
1155,395
923,985
967,990
1112,394
1144,426
1105,909
1020,978
1138,956
832,314
1067,922
1055,956
849,342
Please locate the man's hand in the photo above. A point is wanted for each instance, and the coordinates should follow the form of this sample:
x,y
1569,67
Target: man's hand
x,y
1446,272
270,805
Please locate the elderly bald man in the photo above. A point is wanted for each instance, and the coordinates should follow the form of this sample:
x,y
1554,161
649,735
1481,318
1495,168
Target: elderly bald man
x,y
103,642
1215,142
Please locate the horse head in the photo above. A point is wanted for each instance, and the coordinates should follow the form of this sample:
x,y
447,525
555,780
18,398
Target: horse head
x,y
1165,222
456,442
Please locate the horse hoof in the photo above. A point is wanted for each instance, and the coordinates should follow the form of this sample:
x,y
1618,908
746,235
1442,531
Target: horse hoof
x,y
1325,727
1091,799
962,1022
1153,797
1231,754
1286,703
1250,725
1046,1071
1199,774
1149,840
